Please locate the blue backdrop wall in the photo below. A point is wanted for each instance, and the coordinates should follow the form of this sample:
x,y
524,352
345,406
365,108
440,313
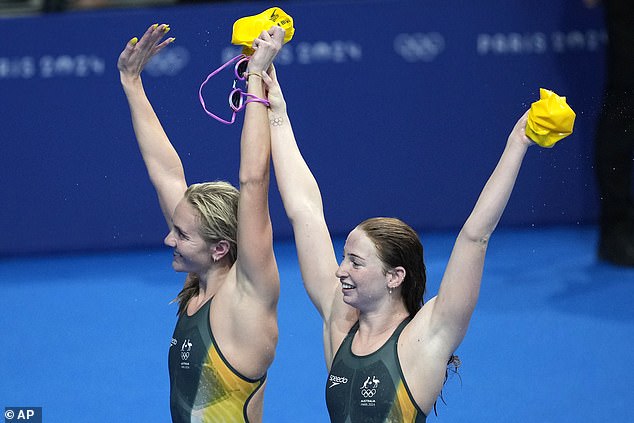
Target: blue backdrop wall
x,y
401,108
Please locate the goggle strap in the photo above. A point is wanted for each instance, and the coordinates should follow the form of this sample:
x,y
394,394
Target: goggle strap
x,y
255,99
200,90
250,98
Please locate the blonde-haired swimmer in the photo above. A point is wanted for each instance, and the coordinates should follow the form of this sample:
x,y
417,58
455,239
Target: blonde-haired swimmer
x,y
226,334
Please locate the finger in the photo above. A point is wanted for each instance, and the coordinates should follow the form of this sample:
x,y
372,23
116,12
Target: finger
x,y
164,29
271,71
277,35
167,42
264,35
277,32
157,27
268,81
154,33
130,45
149,31
127,51
158,33
164,44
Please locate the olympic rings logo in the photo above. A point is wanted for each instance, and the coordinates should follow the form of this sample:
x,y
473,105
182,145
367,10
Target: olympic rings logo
x,y
419,47
368,393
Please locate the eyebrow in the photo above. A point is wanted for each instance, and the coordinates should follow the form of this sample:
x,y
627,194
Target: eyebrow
x,y
178,228
356,256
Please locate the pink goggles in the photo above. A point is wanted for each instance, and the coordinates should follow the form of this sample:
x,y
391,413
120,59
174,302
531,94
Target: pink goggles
x,y
238,98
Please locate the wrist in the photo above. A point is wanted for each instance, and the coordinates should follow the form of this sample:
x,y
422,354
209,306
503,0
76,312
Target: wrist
x,y
129,80
254,74
254,69
277,114
519,142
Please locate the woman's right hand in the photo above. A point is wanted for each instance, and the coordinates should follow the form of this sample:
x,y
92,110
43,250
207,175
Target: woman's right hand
x,y
138,52
266,47
518,134
274,92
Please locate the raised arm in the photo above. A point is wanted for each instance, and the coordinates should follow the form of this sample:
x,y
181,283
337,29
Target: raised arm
x,y
256,268
161,160
451,310
303,204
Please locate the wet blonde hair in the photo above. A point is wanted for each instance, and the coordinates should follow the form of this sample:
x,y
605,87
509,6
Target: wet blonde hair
x,y
216,204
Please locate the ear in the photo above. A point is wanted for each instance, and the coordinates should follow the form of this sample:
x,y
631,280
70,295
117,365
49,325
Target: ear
x,y
219,250
396,276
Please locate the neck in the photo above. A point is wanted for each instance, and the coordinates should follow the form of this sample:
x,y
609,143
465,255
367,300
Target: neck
x,y
384,314
377,323
375,329
211,280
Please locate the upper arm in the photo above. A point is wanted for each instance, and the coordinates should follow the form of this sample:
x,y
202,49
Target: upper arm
x,y
317,260
161,160
169,193
256,266
318,265
446,318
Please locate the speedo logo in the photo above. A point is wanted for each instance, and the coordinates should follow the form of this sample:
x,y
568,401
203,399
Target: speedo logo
x,y
336,380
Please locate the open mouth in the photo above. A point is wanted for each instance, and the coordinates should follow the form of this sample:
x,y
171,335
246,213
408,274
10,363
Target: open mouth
x,y
346,285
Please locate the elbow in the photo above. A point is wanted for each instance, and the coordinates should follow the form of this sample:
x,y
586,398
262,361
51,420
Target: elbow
x,y
475,235
303,211
252,175
478,229
253,180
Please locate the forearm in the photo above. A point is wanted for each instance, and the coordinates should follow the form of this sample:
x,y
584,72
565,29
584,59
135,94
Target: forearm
x,y
255,145
296,183
160,157
495,195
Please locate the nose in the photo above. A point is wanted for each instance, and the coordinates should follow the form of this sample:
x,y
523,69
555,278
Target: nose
x,y
170,240
341,273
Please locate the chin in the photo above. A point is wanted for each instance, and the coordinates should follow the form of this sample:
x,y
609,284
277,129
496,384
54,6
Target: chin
x,y
348,300
178,267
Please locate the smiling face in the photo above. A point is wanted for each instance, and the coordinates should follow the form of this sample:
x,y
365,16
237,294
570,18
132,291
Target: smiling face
x,y
192,253
399,248
363,279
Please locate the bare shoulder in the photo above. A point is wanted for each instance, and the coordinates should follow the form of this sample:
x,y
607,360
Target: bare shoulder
x,y
341,319
416,337
237,302
421,348
245,330
423,358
